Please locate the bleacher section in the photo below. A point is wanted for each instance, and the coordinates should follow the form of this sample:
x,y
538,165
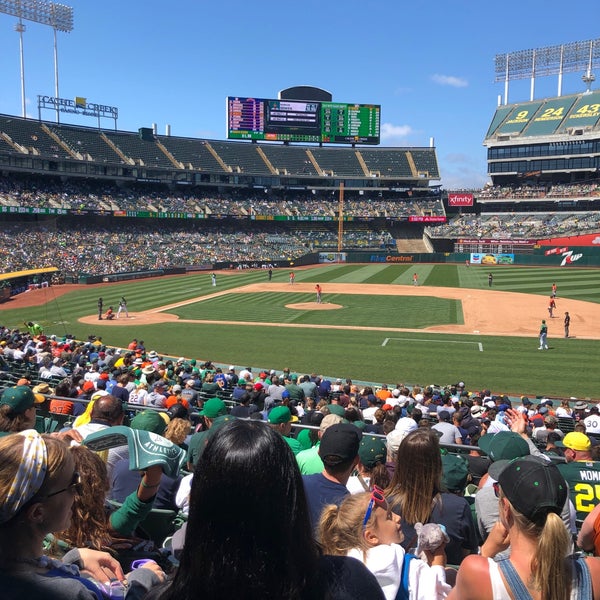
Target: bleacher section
x,y
30,135
143,152
386,163
241,157
338,162
86,142
289,160
192,153
426,163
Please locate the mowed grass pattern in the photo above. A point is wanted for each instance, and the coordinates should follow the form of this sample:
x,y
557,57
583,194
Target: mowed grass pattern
x,y
507,364
355,309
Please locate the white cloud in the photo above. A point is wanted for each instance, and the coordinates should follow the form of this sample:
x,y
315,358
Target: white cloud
x,y
450,80
393,132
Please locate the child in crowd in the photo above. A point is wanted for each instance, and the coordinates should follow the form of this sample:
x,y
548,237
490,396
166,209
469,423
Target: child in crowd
x,y
365,528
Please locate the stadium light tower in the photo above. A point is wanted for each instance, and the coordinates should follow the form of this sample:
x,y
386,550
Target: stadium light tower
x,y
58,16
550,60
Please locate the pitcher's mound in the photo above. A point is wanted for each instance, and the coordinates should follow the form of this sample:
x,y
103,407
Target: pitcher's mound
x,y
313,306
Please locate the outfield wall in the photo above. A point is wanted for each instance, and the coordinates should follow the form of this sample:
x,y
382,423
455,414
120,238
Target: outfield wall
x,y
542,257
566,257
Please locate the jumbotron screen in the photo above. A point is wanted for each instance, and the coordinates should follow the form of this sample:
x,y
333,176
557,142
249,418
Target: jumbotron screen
x,y
301,121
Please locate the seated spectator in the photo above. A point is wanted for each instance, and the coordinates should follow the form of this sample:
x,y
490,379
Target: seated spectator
x,y
531,494
415,493
272,554
370,470
339,452
280,419
124,482
364,527
38,486
18,409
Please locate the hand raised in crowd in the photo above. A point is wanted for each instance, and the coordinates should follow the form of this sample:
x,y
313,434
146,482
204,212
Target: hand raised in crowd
x,y
517,421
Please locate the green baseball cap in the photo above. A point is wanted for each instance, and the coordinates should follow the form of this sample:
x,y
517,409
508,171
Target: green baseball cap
x,y
20,398
149,420
280,414
213,408
372,450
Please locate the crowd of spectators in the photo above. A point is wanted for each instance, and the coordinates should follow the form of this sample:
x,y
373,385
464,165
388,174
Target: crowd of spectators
x,y
362,480
94,249
518,225
540,191
40,192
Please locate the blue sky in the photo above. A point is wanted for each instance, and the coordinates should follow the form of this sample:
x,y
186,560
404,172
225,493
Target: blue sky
x,y
430,65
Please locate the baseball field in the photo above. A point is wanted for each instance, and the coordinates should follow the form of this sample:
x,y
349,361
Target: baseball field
x,y
373,323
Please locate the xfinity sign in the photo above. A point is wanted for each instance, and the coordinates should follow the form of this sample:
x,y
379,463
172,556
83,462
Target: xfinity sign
x,y
460,199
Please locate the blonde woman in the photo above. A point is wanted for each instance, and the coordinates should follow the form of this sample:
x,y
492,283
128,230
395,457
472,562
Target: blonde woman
x,y
139,395
531,494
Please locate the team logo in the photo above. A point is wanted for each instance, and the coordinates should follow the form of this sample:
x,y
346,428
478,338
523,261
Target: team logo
x,y
569,258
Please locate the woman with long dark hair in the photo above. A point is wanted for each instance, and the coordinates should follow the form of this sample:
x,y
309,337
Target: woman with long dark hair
x,y
249,533
417,495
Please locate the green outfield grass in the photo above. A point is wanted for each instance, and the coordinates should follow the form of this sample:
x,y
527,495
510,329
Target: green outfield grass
x,y
506,364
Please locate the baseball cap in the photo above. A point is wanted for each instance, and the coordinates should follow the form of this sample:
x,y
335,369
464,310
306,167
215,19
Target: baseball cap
x,y
534,486
455,472
149,420
444,416
575,441
372,451
279,415
213,408
20,398
337,409
328,421
504,445
339,443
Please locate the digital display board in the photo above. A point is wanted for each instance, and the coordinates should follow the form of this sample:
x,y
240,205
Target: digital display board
x,y
301,121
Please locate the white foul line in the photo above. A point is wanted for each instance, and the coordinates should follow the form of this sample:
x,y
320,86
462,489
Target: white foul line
x,y
386,340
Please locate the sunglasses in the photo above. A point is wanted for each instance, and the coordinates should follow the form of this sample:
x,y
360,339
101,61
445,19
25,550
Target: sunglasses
x,y
496,487
74,486
377,499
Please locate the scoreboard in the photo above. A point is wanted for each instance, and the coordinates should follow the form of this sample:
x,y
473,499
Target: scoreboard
x,y
302,121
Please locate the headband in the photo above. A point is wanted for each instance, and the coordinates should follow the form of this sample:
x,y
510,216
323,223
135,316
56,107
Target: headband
x,y
29,476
